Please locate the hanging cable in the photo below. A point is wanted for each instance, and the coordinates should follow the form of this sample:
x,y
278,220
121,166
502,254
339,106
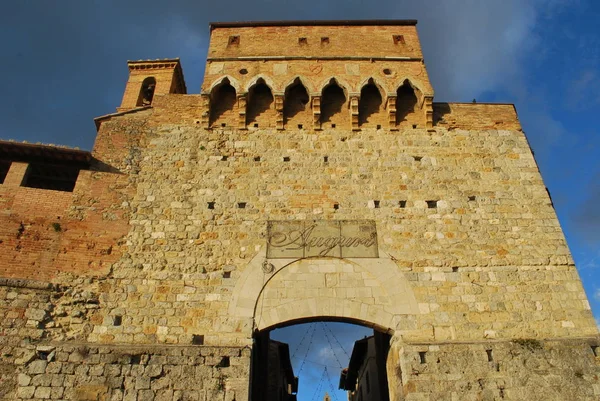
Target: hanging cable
x,y
302,339
331,346
318,363
336,340
319,386
310,341
331,386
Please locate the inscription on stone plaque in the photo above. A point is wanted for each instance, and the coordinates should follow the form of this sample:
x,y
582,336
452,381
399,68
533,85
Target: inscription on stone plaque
x,y
337,238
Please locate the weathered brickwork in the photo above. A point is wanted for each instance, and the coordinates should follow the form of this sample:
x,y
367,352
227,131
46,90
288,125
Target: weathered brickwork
x,y
158,258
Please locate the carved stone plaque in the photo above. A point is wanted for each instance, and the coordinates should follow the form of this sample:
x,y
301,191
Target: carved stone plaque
x,y
337,238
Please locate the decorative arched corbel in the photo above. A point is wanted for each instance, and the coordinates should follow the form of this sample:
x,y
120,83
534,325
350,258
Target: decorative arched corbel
x,y
354,98
428,106
279,110
242,101
391,108
205,117
316,110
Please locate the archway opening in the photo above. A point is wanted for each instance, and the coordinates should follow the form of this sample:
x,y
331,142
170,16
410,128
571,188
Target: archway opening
x,y
333,101
295,110
261,109
407,105
222,105
315,358
370,106
146,92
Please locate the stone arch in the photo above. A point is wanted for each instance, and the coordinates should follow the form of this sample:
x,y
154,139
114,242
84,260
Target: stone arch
x,y
232,81
307,83
371,105
146,92
265,79
339,82
334,105
371,291
223,101
415,84
409,105
383,90
296,105
260,109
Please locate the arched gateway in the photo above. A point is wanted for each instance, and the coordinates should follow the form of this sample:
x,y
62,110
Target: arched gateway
x,y
372,291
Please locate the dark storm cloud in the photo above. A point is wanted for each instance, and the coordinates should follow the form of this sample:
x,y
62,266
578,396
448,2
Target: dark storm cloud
x,y
63,62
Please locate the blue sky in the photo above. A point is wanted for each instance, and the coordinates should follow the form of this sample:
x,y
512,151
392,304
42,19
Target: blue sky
x,y
64,63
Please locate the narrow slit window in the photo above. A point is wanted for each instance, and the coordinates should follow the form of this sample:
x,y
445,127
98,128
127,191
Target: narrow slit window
x,y
49,176
376,204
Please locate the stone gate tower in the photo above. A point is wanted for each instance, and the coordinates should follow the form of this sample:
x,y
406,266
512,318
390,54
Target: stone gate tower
x,y
313,177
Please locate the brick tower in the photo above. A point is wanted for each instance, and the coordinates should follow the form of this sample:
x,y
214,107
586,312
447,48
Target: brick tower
x,y
312,178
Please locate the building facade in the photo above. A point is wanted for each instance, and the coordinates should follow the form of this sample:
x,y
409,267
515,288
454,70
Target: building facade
x,y
313,177
365,378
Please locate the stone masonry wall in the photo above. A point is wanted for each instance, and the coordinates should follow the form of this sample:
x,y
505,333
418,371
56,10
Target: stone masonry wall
x,y
522,369
154,266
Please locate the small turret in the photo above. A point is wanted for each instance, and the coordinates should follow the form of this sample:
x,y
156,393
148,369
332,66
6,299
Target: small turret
x,y
148,78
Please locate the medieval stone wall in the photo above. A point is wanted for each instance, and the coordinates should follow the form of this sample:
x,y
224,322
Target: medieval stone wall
x,y
160,273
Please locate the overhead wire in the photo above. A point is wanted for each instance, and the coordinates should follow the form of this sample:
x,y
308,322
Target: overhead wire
x,y
331,346
336,340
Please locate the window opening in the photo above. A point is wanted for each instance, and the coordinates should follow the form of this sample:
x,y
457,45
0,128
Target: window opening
x,y
49,176
243,71
324,40
222,104
332,102
302,41
234,40
369,104
4,167
147,92
406,100
260,103
295,102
